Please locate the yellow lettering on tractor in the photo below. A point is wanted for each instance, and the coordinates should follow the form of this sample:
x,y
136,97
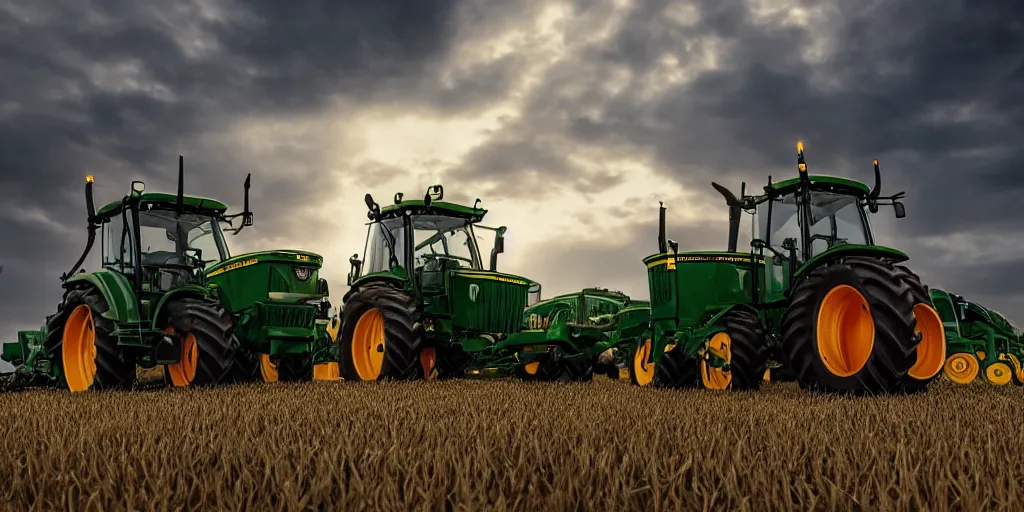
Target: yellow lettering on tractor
x,y
233,266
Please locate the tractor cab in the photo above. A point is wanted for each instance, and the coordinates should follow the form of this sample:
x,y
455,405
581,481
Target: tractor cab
x,y
427,238
802,218
172,246
160,241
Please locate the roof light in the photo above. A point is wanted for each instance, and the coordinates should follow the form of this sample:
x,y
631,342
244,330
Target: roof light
x,y
800,147
89,179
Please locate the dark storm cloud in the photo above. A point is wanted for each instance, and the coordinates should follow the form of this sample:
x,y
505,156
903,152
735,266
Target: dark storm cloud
x,y
932,89
119,88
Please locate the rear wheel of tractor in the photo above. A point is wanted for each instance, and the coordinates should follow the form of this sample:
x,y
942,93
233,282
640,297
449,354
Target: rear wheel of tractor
x,y
379,338
744,345
676,370
85,348
849,328
208,345
641,371
931,349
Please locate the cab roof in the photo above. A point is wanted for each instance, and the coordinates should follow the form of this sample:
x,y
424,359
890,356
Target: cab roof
x,y
823,182
417,207
192,204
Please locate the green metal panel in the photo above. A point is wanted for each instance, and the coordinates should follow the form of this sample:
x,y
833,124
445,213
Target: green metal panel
x,y
487,301
250,278
790,185
700,283
845,250
158,199
117,292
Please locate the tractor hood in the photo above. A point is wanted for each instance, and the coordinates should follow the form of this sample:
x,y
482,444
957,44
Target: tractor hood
x,y
268,275
490,302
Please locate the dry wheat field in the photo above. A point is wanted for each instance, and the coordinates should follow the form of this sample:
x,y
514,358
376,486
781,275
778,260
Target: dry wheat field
x,y
504,445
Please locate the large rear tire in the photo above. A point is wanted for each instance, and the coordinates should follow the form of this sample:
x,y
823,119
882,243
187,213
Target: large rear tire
x,y
849,328
379,338
83,346
930,350
208,344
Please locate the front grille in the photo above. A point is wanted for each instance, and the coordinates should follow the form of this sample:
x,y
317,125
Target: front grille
x,y
497,308
277,315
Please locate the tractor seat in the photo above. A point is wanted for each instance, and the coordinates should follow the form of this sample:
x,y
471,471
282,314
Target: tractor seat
x,y
162,259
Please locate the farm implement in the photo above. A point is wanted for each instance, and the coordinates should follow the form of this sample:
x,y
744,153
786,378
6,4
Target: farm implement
x,y
815,297
427,304
980,341
602,326
170,294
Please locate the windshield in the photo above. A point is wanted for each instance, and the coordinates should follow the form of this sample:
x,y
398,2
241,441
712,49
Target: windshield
x,y
436,238
164,240
834,219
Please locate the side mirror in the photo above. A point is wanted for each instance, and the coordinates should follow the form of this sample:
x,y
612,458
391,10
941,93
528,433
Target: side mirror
x,y
901,211
247,219
674,246
357,266
322,288
197,257
499,247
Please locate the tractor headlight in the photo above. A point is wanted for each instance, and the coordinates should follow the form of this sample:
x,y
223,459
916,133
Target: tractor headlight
x,y
302,273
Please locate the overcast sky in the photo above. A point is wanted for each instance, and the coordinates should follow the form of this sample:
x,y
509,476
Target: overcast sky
x,y
570,120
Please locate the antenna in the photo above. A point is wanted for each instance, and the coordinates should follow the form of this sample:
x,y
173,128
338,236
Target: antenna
x,y
181,184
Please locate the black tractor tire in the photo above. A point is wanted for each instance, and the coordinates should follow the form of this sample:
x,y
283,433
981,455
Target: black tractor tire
x,y
245,368
889,302
555,368
634,377
451,363
919,293
749,349
213,328
294,368
112,370
402,339
677,370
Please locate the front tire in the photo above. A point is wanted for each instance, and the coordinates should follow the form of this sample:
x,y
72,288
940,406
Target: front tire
x,y
84,347
208,344
379,339
748,353
849,328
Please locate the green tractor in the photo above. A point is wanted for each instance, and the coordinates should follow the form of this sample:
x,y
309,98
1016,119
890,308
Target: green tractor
x,y
604,324
426,303
978,340
169,293
815,297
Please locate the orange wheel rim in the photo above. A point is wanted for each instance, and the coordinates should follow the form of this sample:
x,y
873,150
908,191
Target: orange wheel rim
x,y
998,374
368,345
643,370
961,368
845,331
931,352
717,378
428,357
268,370
78,349
184,372
532,368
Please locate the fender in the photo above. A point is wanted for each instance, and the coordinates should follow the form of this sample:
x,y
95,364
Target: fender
x,y
185,291
116,290
390,278
848,250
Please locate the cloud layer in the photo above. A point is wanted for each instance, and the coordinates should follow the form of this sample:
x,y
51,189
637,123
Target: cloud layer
x,y
570,119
